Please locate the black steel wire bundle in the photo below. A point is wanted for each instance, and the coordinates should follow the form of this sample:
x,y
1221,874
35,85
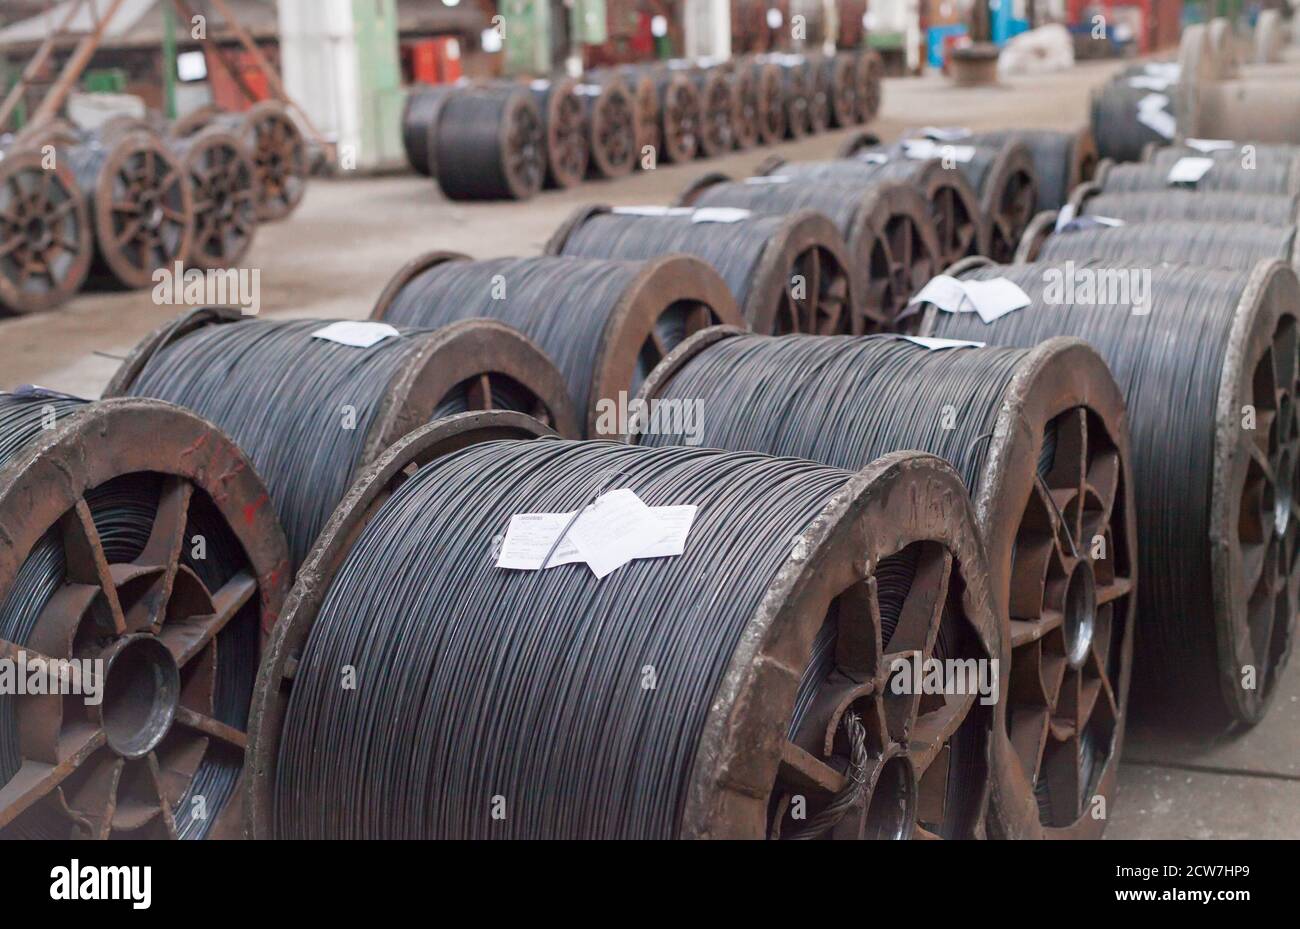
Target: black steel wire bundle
x,y
611,127
717,107
479,682
563,304
1266,178
797,88
419,119
124,511
1169,364
734,249
1195,206
1119,134
566,144
486,142
1054,156
854,172
779,199
1255,152
977,169
301,408
679,112
1209,245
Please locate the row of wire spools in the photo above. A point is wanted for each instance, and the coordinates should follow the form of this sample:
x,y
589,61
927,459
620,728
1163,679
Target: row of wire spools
x,y
960,504
107,208
508,139
1224,84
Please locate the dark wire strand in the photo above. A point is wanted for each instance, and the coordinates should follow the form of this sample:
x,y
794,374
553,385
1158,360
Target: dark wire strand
x,y
476,682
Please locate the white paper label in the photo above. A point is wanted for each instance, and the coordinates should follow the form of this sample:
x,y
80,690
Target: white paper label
x,y
1064,216
925,149
652,210
991,300
1189,170
873,158
720,214
764,179
1152,112
1210,145
938,345
1081,223
946,133
617,528
1149,82
356,333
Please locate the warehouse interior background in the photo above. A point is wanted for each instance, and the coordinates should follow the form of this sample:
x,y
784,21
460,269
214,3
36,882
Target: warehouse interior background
x,y
347,75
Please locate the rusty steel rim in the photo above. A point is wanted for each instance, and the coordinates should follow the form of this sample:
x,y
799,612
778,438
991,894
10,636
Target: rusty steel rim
x,y
771,103
1255,520
284,646
523,147
567,152
46,242
819,98
613,139
796,91
746,107
717,114
843,90
279,159
222,178
109,773
648,132
680,113
1084,158
895,241
870,73
1036,234
1008,200
143,209
959,221
805,283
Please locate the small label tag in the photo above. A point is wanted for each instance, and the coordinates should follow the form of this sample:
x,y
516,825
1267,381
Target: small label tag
x,y
991,300
925,149
938,345
764,179
872,158
945,133
1081,223
617,528
37,392
720,214
1189,170
1152,112
1209,146
356,333
1064,216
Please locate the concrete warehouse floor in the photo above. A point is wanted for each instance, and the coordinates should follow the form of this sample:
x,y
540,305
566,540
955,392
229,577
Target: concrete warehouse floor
x,y
332,258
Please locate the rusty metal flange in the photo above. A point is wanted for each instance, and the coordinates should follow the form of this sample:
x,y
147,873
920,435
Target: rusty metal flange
x,y
717,112
746,106
223,182
367,494
871,75
842,85
86,766
772,118
141,204
611,127
680,119
894,239
564,122
1008,198
279,159
46,241
1040,229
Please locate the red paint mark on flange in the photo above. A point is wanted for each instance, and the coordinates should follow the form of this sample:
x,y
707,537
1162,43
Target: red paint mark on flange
x,y
250,511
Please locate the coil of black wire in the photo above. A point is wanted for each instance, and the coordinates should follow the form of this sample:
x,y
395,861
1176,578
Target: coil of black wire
x,y
306,410
678,110
611,122
479,142
537,704
124,511
1195,206
1265,178
1199,329
225,196
1208,245
150,229
788,273
564,130
584,313
717,102
1114,111
1253,153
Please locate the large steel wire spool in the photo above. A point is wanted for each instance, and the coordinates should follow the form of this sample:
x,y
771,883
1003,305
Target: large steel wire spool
x,y
46,240
645,104
1062,160
1216,102
137,534
311,413
141,206
1187,205
479,142
1217,511
1206,245
605,324
819,98
276,145
886,228
796,92
870,70
717,107
788,273
1041,441
959,224
1255,153
1267,177
748,681
1113,114
223,182
680,118
747,107
564,128
611,127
